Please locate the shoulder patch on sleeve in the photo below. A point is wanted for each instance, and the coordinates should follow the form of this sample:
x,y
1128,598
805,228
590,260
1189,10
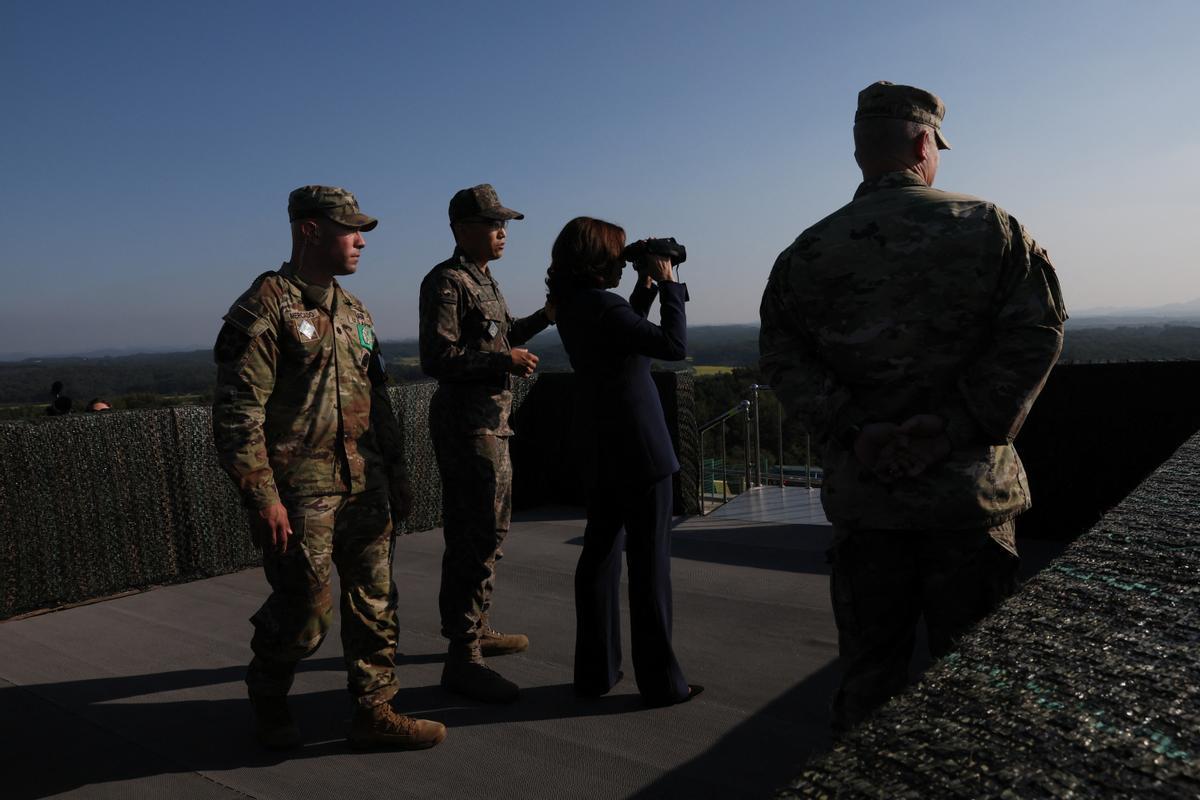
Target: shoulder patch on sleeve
x,y
247,318
249,314
445,289
231,344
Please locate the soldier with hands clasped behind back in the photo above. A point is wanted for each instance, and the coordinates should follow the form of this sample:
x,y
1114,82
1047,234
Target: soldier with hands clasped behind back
x,y
911,332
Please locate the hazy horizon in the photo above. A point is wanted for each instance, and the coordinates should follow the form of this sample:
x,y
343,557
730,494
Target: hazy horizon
x,y
152,146
1188,315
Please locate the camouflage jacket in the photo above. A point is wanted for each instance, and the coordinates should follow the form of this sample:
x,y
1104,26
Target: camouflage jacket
x,y
911,300
466,333
301,407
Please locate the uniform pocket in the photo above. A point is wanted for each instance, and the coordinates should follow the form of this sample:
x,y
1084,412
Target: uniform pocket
x,y
297,521
494,320
312,526
303,334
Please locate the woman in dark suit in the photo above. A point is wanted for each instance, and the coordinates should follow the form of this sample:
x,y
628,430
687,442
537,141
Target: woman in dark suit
x,y
630,458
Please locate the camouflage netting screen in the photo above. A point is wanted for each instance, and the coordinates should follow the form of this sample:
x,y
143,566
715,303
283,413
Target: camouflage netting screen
x,y
410,401
1084,685
1096,432
95,504
678,392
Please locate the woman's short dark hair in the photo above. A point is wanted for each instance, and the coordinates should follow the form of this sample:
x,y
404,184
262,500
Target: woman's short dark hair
x,y
583,253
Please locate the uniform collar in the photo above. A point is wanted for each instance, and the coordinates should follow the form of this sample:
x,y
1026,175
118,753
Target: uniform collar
x,y
889,180
471,267
320,296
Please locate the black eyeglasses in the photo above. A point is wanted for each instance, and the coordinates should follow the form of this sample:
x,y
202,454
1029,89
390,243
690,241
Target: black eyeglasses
x,y
494,224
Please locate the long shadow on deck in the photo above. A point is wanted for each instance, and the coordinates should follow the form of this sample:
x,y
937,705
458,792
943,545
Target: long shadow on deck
x,y
97,739
98,731
761,754
113,729
90,729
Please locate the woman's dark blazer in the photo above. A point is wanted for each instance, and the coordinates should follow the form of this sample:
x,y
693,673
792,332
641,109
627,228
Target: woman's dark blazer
x,y
610,343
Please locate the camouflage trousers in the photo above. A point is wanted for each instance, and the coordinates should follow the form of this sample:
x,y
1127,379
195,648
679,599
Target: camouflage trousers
x,y
353,532
884,581
476,509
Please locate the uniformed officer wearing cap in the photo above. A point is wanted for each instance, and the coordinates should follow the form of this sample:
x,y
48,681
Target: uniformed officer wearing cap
x,y
470,343
302,423
911,332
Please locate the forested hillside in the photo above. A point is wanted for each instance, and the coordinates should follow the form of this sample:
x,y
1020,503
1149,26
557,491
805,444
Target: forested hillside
x,y
729,346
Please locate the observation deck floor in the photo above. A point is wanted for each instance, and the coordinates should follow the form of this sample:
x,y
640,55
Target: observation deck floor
x,y
142,695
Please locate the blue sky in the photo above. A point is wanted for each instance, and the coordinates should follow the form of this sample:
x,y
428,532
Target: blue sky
x,y
149,147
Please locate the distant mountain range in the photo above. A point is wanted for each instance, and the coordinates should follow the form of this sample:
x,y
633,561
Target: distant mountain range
x,y
1184,313
104,352
1112,316
1116,337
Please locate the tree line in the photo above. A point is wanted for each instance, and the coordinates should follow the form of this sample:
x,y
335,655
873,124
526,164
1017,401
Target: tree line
x,y
155,379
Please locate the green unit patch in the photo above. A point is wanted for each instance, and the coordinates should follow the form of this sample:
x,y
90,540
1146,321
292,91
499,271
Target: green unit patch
x,y
366,336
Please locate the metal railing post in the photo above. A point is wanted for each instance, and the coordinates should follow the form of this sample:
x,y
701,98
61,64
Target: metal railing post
x,y
757,439
724,468
808,460
779,419
746,452
744,408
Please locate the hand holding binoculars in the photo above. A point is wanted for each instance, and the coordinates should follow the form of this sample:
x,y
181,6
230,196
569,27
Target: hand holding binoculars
x,y
667,248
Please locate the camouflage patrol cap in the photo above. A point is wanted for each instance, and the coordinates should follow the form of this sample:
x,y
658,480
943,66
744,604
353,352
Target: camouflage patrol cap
x,y
480,201
887,100
329,202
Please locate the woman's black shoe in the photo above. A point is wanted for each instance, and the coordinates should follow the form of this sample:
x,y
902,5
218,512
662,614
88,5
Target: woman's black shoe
x,y
693,690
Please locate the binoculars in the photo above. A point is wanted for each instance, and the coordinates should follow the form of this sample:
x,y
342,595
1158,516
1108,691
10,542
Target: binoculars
x,y
668,248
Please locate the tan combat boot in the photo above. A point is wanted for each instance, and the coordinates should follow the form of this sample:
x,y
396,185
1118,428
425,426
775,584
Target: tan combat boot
x,y
467,674
273,724
382,726
494,643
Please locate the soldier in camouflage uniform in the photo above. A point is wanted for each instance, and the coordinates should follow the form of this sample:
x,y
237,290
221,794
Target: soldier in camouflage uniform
x,y
302,423
468,343
911,331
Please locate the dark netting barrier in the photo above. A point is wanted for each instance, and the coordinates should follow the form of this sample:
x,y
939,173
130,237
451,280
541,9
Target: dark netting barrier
x,y
678,392
1096,432
96,504
410,401
212,524
91,505
1084,685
